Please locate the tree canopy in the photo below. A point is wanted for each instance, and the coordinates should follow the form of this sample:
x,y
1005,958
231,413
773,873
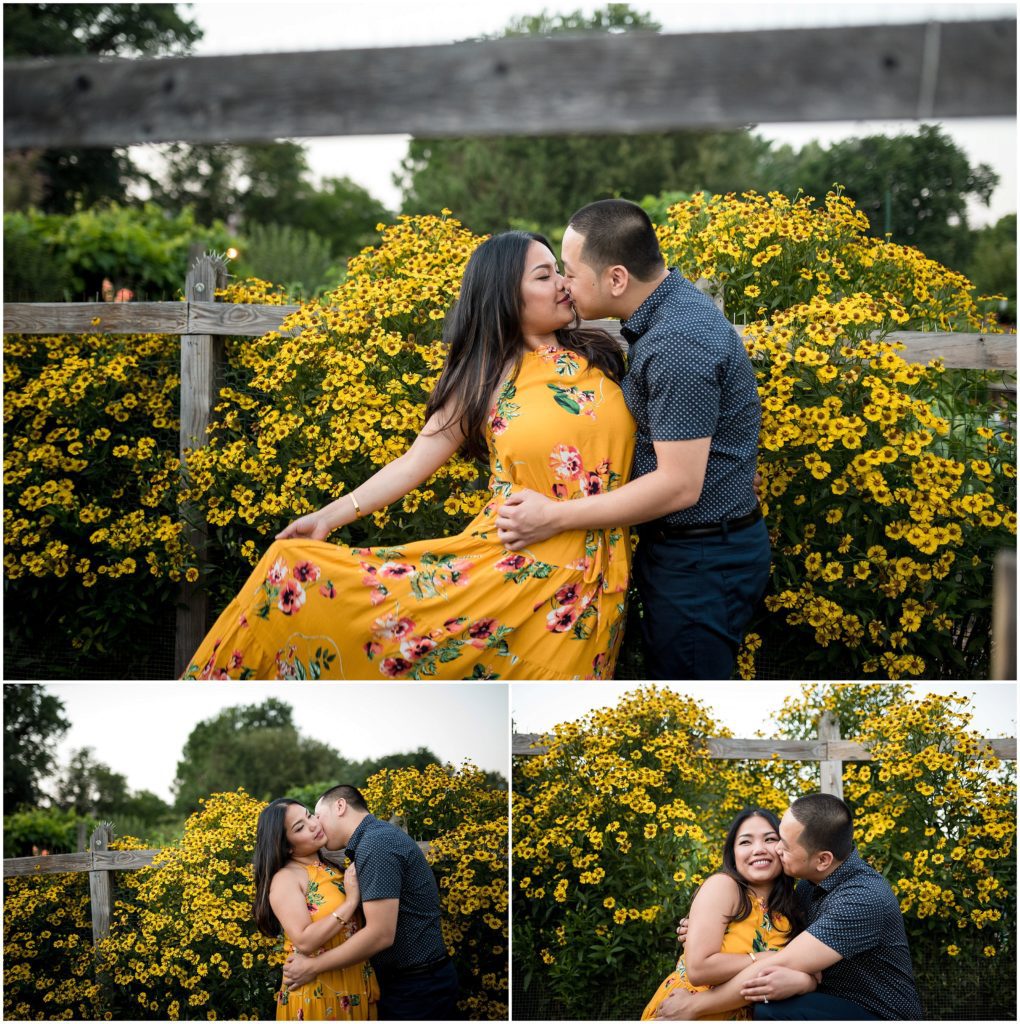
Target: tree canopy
x,y
33,722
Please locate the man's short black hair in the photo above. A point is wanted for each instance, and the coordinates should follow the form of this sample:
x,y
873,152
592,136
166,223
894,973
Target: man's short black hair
x,y
616,231
828,824
344,792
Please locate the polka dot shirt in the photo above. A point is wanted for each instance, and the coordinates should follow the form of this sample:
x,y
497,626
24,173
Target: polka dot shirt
x,y
855,912
391,866
689,376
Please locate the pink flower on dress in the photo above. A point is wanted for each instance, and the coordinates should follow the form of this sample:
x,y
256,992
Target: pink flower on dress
x,y
498,425
243,621
566,461
378,595
373,649
328,590
306,572
368,567
394,667
389,627
277,574
395,570
559,620
511,563
292,597
568,594
481,630
455,625
591,483
559,490
416,647
236,659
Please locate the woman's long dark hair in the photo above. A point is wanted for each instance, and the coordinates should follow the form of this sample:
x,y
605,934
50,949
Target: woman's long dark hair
x,y
272,851
483,332
782,899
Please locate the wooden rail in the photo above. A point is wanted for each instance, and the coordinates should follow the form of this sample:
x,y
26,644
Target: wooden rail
x,y
595,83
959,350
834,749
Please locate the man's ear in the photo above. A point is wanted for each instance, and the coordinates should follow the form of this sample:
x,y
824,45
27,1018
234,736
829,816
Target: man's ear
x,y
617,279
824,860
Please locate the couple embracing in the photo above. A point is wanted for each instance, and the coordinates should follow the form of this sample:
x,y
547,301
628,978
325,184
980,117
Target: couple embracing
x,y
579,448
362,944
755,946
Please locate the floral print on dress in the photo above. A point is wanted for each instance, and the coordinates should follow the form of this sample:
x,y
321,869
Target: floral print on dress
x,y
347,993
459,607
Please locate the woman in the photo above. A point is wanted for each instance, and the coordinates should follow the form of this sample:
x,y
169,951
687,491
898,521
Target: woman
x,y
543,400
300,895
745,912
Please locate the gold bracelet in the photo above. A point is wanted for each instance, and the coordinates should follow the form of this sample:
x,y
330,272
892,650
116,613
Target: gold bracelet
x,y
357,507
752,956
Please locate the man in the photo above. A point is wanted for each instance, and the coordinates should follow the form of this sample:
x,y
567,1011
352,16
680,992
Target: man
x,y
703,559
854,936
400,899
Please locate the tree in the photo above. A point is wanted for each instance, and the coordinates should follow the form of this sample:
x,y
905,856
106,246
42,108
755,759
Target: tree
x,y
255,746
992,266
913,187
66,178
90,788
491,184
33,723
261,185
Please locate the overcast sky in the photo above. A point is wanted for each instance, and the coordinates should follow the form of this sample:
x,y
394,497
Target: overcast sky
x,y
371,161
139,729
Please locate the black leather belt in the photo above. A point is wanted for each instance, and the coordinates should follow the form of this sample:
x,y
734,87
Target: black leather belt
x,y
410,972
664,531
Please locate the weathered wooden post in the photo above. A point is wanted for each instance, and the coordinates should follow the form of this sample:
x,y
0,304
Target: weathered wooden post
x,y
831,771
99,884
1004,617
202,363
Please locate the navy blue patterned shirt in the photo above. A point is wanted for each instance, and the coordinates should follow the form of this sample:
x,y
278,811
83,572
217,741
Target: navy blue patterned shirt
x,y
391,866
856,913
689,376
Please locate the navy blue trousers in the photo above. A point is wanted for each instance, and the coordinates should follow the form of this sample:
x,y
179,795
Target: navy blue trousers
x,y
698,597
420,996
813,1006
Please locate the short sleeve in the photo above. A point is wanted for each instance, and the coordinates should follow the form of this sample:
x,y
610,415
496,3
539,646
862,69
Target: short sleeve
x,y
380,875
683,392
851,922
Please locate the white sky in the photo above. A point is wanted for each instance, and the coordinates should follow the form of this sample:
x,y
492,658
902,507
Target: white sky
x,y
371,161
139,729
745,707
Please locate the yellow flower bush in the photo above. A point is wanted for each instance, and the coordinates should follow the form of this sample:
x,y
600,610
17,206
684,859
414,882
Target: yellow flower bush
x,y
888,488
624,816
183,944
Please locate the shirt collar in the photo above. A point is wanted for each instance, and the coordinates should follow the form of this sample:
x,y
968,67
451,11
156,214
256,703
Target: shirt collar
x,y
641,319
849,867
352,843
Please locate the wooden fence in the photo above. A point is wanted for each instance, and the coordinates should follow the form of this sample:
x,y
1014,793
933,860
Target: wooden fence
x,y
99,860
829,749
593,83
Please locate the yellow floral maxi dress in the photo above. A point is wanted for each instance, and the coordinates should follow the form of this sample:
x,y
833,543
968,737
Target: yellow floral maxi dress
x,y
757,932
460,607
350,993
